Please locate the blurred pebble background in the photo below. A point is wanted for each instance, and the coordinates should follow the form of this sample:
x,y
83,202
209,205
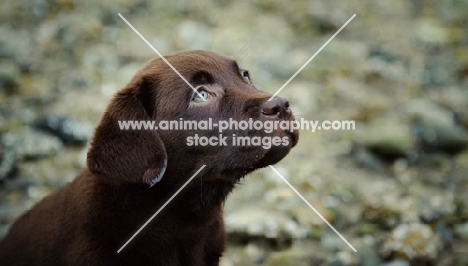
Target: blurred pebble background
x,y
396,187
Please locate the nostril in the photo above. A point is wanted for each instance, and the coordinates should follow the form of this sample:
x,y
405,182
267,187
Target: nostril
x,y
275,107
270,109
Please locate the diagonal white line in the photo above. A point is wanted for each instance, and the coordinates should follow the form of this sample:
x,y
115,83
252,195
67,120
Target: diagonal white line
x,y
310,59
312,207
160,209
160,55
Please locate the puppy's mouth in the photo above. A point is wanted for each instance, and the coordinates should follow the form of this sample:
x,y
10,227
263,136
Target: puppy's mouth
x,y
277,153
294,137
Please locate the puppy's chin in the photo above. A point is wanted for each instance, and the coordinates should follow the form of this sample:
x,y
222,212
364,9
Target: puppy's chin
x,y
269,157
277,153
273,156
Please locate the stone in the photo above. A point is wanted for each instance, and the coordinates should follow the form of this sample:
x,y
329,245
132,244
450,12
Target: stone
x,y
427,112
70,131
439,71
414,242
366,159
344,258
461,231
28,143
434,127
7,164
9,75
248,223
305,216
431,31
367,252
397,262
292,258
452,139
388,141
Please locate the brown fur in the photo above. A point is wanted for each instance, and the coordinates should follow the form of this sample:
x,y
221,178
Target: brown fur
x,y
88,220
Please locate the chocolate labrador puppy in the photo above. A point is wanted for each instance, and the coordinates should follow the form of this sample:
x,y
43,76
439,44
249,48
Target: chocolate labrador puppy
x,y
130,174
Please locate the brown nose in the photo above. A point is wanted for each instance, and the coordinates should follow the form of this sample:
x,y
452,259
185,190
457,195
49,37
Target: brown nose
x,y
277,107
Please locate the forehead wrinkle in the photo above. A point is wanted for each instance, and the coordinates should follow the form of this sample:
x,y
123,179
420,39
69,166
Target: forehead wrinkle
x,y
225,70
187,62
235,65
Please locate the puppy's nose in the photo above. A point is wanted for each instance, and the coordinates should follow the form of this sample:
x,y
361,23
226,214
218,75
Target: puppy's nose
x,y
277,107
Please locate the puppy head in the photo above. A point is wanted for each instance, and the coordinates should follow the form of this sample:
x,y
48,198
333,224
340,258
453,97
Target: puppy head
x,y
157,93
229,94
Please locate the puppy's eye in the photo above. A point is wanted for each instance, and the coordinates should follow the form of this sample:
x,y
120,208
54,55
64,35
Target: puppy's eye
x,y
246,76
201,96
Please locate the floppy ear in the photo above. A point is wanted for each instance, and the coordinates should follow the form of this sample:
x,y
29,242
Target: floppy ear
x,y
128,155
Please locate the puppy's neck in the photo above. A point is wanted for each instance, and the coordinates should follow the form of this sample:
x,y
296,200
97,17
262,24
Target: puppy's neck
x,y
207,196
201,197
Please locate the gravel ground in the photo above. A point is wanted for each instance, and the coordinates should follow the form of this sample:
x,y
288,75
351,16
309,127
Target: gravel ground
x,y
395,187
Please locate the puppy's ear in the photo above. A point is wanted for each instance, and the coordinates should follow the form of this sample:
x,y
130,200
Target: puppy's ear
x,y
129,155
